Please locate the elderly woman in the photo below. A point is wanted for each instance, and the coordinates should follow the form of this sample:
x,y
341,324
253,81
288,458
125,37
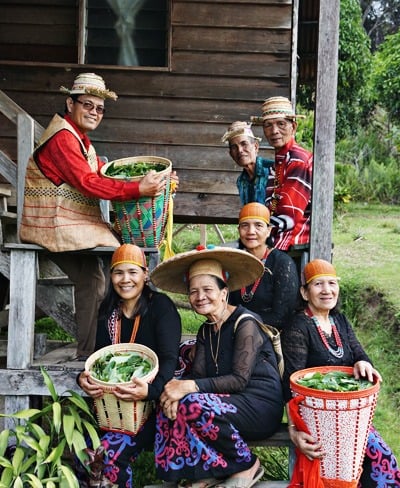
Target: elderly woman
x,y
322,336
207,418
133,312
274,295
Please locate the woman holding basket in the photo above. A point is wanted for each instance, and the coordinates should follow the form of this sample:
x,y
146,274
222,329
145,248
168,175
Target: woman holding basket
x,y
322,336
133,312
206,418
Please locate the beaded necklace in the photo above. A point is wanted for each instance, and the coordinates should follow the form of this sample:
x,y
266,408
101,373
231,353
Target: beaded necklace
x,y
117,336
338,353
247,297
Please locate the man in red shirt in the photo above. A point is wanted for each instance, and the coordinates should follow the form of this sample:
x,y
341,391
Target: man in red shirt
x,y
63,187
288,194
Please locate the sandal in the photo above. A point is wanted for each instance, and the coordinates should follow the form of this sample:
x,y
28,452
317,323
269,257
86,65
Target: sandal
x,y
204,483
237,482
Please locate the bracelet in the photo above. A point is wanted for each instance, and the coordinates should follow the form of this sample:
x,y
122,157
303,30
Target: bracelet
x,y
292,426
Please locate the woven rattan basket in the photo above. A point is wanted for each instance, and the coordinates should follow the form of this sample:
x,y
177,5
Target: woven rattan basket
x,y
142,222
341,422
112,413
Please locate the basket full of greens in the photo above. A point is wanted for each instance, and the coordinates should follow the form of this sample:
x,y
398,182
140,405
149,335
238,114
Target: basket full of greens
x,y
119,364
338,410
142,221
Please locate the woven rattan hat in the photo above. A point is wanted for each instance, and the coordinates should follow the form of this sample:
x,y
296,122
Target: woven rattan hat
x,y
239,129
128,253
254,210
236,267
316,268
275,107
91,84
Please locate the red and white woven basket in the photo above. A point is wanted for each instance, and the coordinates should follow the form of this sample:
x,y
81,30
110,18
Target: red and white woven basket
x,y
341,422
112,413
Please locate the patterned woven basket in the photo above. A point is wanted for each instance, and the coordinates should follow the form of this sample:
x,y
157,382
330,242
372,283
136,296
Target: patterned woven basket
x,y
142,222
112,413
341,422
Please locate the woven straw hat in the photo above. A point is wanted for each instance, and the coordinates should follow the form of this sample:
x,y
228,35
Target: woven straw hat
x,y
239,129
275,107
316,268
91,84
236,267
254,210
129,253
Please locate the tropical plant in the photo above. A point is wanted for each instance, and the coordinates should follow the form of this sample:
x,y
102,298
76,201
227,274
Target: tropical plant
x,y
386,76
44,445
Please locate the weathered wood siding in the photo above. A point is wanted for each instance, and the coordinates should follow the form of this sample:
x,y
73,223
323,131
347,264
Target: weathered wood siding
x,y
226,57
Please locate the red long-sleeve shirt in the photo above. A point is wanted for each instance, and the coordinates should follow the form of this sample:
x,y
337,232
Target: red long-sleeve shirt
x,y
61,161
292,189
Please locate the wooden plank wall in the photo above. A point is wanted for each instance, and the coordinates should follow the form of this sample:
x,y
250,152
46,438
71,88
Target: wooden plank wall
x,y
226,57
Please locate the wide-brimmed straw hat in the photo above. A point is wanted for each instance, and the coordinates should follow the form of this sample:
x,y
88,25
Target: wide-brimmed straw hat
x,y
239,128
90,84
236,267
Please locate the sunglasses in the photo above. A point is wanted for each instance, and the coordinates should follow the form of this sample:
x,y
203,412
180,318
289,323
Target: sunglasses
x,y
89,106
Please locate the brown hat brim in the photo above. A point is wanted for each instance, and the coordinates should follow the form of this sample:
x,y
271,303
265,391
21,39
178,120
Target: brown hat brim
x,y
242,268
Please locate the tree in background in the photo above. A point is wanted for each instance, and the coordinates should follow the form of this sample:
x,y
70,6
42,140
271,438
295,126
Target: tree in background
x,y
386,76
380,18
355,59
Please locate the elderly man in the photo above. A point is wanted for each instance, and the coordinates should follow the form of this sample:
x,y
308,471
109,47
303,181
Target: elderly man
x,y
243,148
63,186
288,193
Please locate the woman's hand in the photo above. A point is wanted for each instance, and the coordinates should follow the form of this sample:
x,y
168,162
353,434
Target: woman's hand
x,y
88,386
137,389
364,369
306,443
174,390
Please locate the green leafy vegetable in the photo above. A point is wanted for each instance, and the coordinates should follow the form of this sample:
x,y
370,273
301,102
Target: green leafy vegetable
x,y
140,168
333,381
120,367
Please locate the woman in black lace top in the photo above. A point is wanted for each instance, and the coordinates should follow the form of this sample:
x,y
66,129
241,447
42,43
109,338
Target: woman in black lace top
x,y
320,335
233,393
274,295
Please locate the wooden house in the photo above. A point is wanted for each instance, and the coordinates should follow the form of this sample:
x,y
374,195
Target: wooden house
x,y
183,71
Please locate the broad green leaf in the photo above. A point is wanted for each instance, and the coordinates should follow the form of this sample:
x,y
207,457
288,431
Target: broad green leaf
x,y
26,465
17,459
92,431
37,431
79,402
23,414
69,427
77,417
44,443
5,463
34,481
56,453
57,416
50,385
18,483
7,477
72,482
78,441
30,442
4,437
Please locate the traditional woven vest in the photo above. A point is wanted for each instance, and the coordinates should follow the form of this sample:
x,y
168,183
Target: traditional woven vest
x,y
60,218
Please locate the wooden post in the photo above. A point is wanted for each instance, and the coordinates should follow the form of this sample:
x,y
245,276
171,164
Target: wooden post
x,y
26,138
324,132
21,320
